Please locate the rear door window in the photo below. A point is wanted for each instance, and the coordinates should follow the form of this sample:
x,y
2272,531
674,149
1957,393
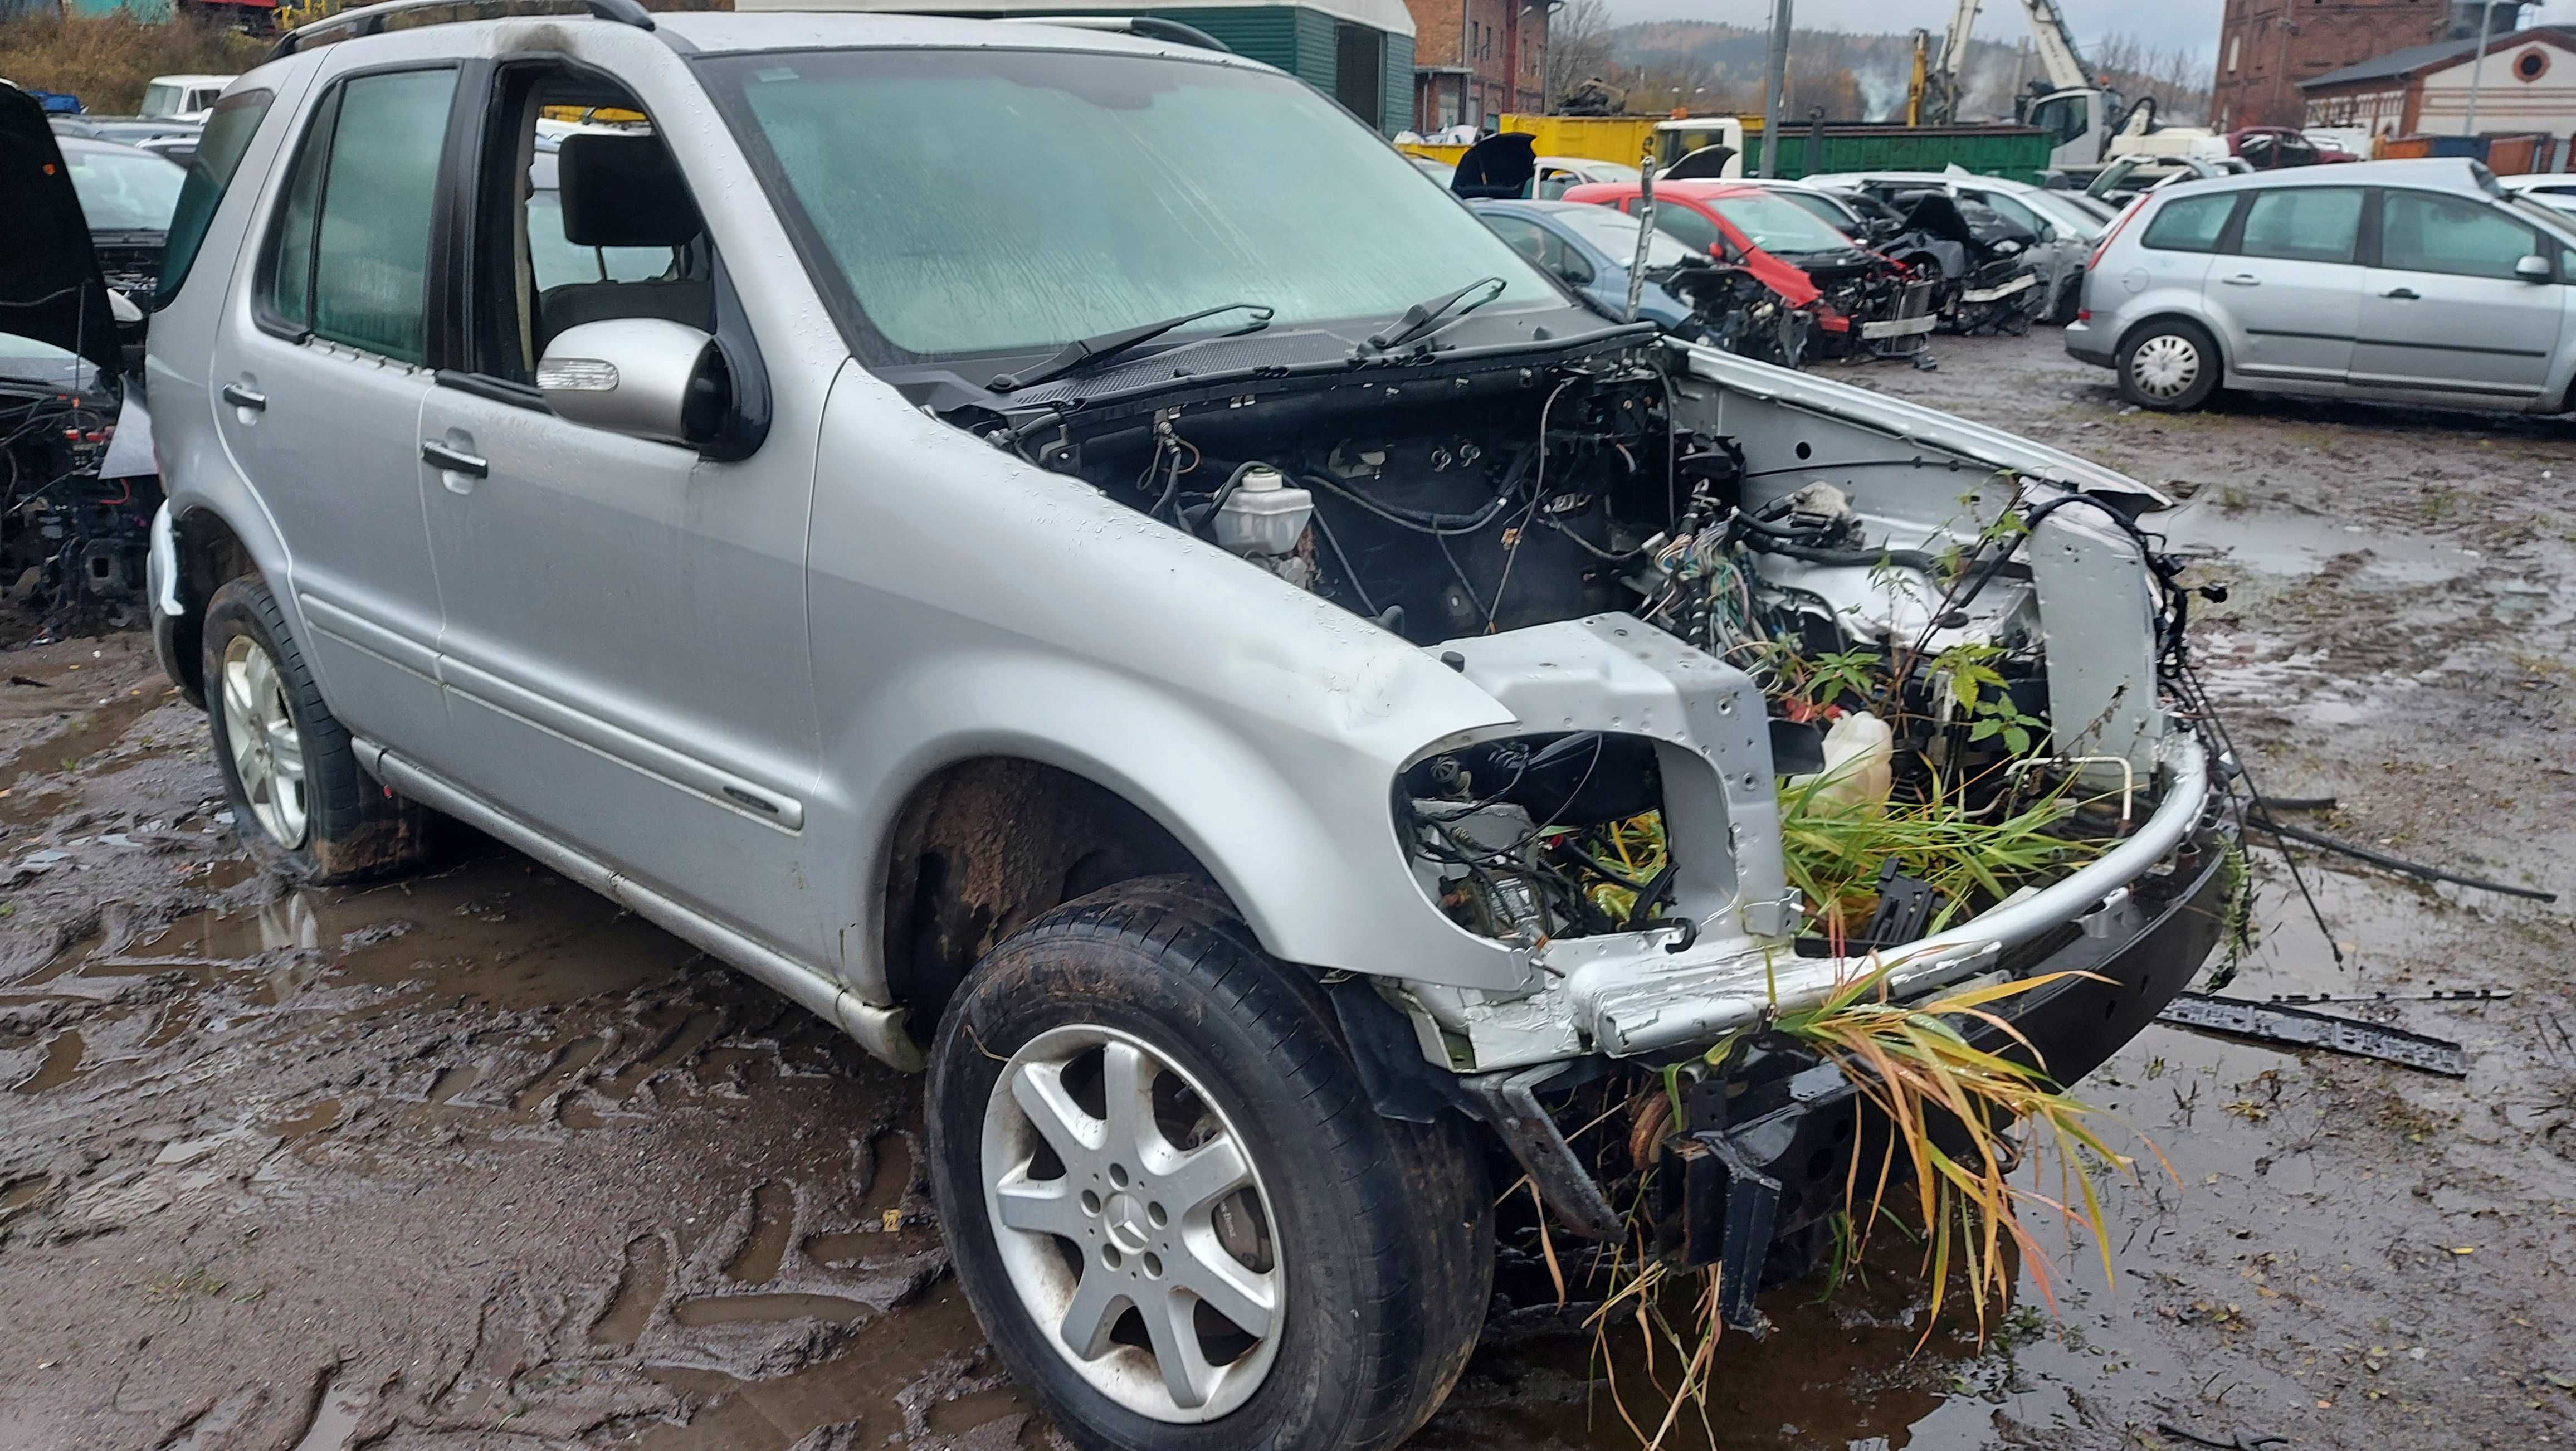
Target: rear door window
x,y
2422,232
351,260
2303,224
2189,223
210,175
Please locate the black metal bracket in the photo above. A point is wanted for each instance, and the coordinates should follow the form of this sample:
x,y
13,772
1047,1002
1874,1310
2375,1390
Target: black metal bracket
x,y
1508,1102
1737,1236
2299,1028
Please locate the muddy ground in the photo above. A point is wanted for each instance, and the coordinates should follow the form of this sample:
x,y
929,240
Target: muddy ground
x,y
475,1161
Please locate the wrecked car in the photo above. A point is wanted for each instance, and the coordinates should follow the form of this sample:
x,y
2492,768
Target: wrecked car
x,y
1267,699
1864,304
1691,295
71,541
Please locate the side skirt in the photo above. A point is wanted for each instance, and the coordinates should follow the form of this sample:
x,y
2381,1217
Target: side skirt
x,y
876,1028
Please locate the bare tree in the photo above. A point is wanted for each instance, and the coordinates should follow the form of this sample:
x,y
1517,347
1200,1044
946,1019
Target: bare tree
x,y
1578,47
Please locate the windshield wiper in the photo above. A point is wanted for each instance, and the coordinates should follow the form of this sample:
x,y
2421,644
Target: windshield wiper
x,y
1082,352
1424,318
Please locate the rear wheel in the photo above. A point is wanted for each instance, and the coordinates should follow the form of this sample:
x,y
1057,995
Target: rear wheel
x,y
300,801
2169,365
1172,1205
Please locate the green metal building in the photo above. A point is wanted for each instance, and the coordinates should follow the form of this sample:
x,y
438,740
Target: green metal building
x,y
1359,52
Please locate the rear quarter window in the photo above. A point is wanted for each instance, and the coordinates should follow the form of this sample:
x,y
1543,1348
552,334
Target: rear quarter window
x,y
2189,223
210,174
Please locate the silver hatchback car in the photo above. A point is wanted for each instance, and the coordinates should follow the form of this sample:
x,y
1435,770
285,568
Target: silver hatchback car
x,y
1230,670
2411,281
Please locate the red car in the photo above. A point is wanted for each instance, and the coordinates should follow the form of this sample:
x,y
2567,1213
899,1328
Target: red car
x,y
1783,245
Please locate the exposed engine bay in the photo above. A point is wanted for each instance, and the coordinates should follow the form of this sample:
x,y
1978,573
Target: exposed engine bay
x,y
71,544
1897,648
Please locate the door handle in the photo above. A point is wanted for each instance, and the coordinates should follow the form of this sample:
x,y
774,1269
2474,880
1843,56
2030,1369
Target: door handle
x,y
453,461
241,397
2243,279
2402,294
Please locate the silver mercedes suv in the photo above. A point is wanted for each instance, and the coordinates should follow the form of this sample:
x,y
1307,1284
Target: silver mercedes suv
x,y
1277,705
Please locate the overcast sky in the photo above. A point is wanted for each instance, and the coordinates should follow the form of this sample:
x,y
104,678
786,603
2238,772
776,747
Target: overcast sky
x,y
2192,23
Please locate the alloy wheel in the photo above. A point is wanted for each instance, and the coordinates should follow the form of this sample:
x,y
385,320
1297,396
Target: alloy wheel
x,y
1134,1224
2165,366
267,750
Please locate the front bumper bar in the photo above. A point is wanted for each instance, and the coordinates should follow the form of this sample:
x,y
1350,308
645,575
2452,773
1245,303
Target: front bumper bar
x,y
1765,1158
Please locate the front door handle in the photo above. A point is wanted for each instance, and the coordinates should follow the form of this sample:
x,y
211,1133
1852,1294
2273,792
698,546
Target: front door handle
x,y
453,461
2402,294
2243,279
241,397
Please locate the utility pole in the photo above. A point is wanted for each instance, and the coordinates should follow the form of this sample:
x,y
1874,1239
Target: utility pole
x,y
2478,65
1775,85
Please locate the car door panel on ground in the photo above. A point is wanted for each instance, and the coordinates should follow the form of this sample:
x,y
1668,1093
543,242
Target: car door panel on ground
x,y
2289,292
612,647
318,387
2444,314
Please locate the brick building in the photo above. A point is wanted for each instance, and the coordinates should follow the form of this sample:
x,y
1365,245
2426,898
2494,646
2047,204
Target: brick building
x,y
1474,60
2527,87
2266,48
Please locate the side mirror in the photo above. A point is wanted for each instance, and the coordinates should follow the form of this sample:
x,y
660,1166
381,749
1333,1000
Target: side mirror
x,y
641,376
2532,269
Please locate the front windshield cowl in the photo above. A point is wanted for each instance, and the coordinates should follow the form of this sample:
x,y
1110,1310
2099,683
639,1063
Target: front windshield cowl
x,y
1130,188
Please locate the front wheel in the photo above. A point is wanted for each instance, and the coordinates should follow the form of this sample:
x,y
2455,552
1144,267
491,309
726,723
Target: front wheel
x,y
2169,365
1173,1207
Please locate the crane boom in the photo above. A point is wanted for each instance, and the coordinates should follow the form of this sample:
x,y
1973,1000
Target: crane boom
x,y
1954,45
2056,45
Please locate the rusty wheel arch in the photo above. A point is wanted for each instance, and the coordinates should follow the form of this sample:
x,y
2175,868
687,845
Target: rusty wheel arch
x,y
985,846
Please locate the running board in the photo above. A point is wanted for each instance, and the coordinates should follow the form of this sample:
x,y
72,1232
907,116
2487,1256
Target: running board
x,y
877,1029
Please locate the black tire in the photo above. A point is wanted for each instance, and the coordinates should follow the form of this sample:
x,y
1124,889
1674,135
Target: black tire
x,y
1385,1233
2070,300
2159,339
355,828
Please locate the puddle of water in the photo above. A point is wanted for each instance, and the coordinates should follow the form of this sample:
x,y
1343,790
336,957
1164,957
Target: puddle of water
x,y
568,1063
20,1194
62,1060
335,1421
692,1033
311,1121
638,1291
2303,544
497,928
451,1082
766,1309
860,1383
765,1248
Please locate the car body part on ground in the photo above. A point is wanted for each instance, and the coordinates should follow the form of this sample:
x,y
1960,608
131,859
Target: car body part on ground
x,y
2405,281
1101,723
2281,1023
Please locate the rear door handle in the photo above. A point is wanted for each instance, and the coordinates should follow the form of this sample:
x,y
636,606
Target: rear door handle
x,y
2402,294
241,397
2243,279
453,461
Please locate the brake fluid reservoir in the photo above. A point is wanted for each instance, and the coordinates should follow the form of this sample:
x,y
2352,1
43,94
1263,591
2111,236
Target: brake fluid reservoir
x,y
1262,514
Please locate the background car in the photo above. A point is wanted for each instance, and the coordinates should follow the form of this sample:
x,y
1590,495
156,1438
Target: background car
x,y
184,98
2421,281
2555,190
1557,174
128,195
1590,249
2062,233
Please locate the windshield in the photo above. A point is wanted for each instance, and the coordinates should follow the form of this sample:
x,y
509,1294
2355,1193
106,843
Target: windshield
x,y
2066,214
163,100
1616,234
1776,224
125,191
1011,201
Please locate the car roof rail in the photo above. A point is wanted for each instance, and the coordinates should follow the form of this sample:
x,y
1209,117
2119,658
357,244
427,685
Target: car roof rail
x,y
1143,27
370,19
